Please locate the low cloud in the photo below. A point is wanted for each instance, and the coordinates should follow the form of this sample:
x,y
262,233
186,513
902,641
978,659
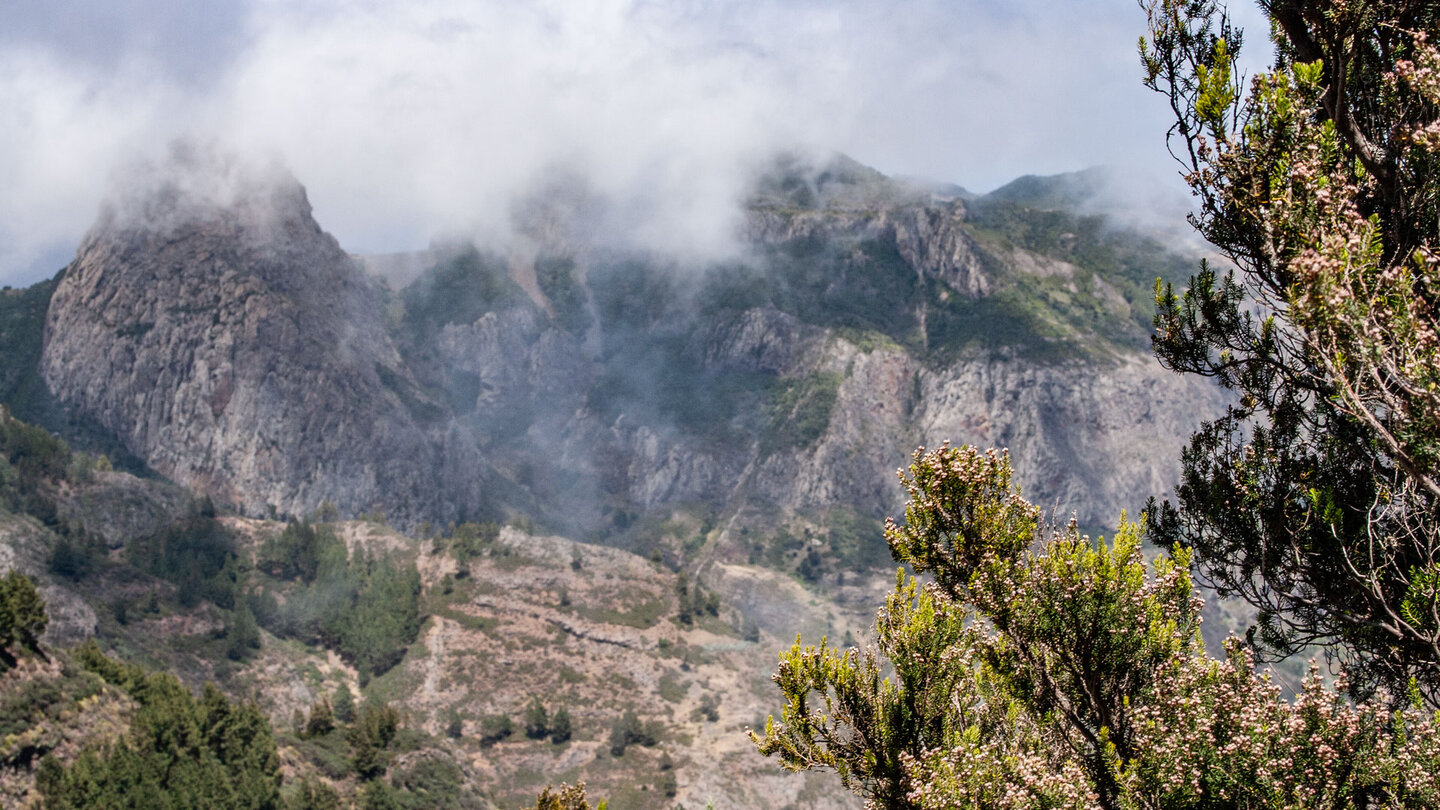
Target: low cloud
x,y
408,120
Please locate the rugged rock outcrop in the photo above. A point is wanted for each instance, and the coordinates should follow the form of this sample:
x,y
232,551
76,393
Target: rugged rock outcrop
x,y
117,507
231,344
929,237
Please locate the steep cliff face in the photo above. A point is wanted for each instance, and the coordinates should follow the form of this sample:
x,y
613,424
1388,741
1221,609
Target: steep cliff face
x,y
1088,436
930,238
231,344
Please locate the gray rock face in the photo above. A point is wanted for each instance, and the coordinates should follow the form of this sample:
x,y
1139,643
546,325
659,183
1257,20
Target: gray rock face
x,y
1096,438
929,237
235,347
1088,437
762,339
515,359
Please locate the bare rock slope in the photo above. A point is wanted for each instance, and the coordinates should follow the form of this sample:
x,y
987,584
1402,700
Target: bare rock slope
x,y
232,345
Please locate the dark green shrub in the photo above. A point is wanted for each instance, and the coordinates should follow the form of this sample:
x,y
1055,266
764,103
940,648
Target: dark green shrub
x,y
709,708
494,728
560,729
370,737
537,720
628,730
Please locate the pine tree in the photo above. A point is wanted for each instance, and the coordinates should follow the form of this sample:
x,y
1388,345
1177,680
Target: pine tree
x,y
370,737
22,613
344,704
322,718
180,751
242,635
560,730
537,721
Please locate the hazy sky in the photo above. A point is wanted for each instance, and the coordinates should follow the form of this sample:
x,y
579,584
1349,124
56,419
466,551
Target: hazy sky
x,y
406,119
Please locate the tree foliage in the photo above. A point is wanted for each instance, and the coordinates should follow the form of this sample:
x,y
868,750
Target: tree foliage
x,y
181,751
344,704
537,720
629,729
370,737
366,608
567,797
1316,498
560,726
1043,669
198,555
22,613
31,459
302,550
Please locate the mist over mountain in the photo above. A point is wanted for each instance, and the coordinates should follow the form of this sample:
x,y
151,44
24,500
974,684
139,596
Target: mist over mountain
x,y
405,119
586,382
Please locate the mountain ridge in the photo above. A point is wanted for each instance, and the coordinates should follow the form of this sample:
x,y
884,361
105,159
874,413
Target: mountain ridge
x,y
240,351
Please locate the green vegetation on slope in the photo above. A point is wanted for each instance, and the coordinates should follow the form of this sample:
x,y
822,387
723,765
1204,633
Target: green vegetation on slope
x,y
180,751
366,608
1124,260
458,290
800,411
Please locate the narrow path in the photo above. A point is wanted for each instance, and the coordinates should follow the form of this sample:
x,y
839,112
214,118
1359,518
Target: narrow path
x,y
435,642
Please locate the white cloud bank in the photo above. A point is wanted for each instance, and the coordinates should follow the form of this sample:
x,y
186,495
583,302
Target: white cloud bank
x,y
410,119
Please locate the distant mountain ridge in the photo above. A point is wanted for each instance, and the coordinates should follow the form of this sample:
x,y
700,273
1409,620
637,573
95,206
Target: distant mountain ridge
x,y
233,346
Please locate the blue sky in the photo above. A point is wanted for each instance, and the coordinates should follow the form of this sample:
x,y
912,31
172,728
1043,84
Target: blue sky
x,y
410,119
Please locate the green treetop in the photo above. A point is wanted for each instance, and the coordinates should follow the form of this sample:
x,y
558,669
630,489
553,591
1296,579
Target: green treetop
x,y
22,613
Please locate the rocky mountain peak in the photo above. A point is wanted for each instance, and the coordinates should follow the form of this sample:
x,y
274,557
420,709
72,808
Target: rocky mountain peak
x,y
225,338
